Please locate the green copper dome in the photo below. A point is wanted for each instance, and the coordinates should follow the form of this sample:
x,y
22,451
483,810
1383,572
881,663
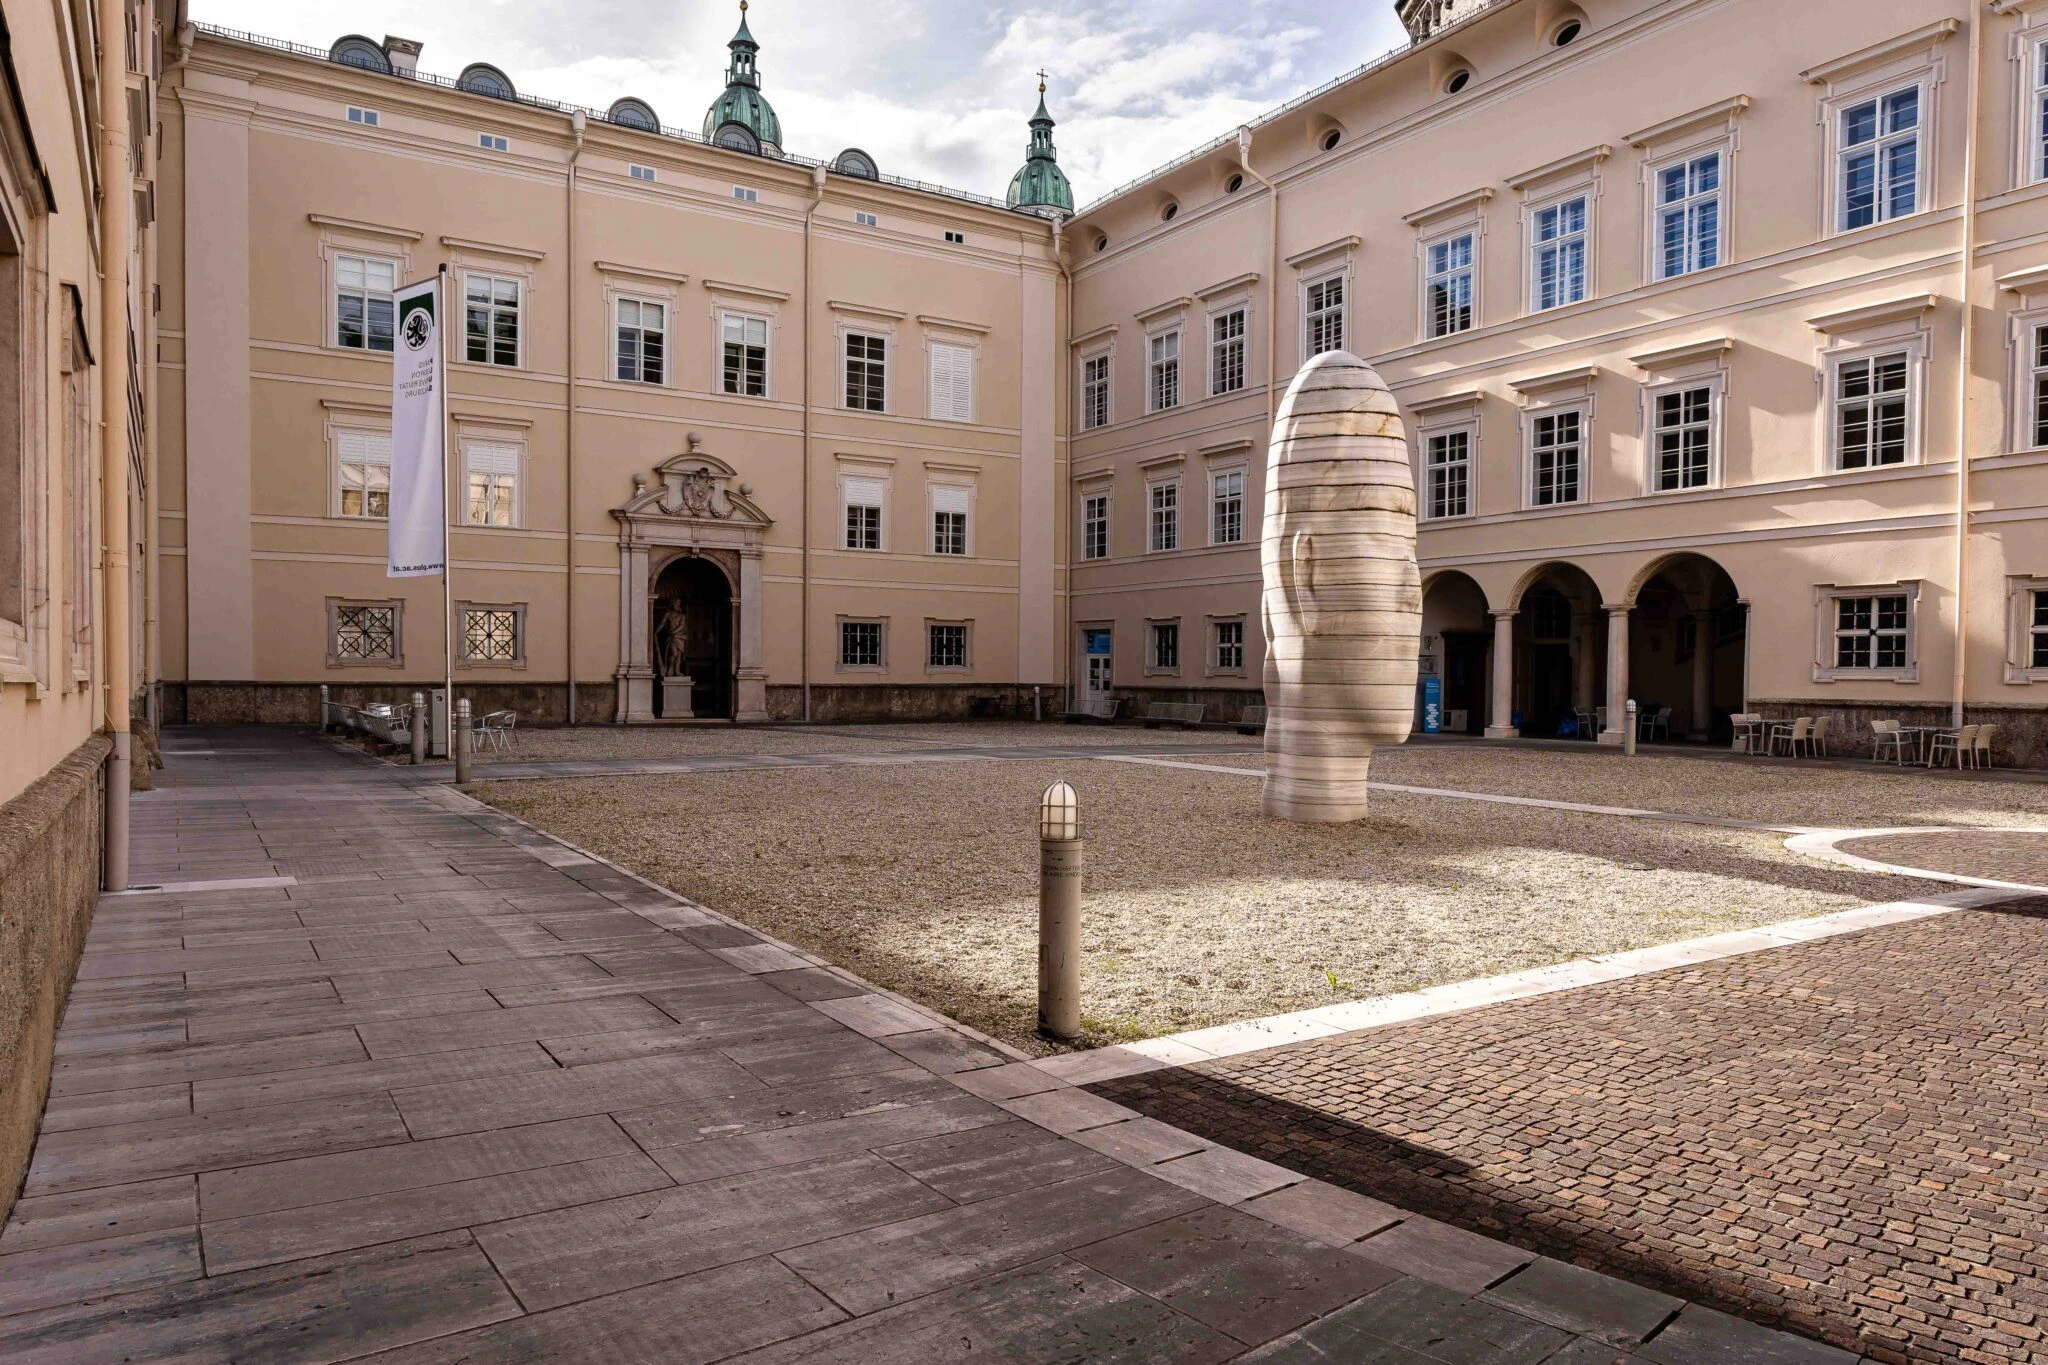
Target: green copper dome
x,y
1041,184
742,115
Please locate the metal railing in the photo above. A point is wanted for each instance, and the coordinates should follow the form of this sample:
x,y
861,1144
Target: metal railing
x,y
597,115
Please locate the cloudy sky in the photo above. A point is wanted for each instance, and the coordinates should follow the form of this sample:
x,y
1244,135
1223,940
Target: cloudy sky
x,y
936,89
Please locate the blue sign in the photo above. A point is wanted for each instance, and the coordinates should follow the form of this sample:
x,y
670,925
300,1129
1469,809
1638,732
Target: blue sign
x,y
1432,706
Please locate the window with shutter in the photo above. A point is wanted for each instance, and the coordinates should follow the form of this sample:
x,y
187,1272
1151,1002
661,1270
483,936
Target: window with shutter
x,y
952,382
950,506
363,467
493,482
863,498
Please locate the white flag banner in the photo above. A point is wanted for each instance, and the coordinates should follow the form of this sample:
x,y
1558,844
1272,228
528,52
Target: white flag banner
x,y
418,543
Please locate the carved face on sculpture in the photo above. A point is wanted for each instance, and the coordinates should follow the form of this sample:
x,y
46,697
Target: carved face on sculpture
x,y
1342,601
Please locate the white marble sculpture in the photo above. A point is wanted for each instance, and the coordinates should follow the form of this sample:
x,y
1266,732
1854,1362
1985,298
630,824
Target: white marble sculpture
x,y
1343,599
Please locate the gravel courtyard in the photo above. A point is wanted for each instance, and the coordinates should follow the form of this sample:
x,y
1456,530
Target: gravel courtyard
x,y
921,878
548,743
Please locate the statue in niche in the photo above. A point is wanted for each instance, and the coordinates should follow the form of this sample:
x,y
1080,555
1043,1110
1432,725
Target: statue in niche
x,y
1342,600
671,639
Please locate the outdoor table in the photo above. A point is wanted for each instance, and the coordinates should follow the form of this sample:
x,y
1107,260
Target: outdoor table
x,y
1923,741
1755,730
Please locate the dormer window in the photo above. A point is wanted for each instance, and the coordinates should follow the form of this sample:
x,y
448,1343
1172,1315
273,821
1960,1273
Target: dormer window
x,y
1457,82
481,78
1566,34
1234,184
1331,139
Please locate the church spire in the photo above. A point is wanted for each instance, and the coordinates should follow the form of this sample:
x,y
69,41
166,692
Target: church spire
x,y
1041,186
742,119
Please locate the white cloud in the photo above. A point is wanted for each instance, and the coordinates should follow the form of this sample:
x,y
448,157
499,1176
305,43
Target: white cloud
x,y
934,90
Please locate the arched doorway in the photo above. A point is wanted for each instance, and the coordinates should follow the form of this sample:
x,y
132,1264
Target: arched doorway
x,y
1560,674
1687,646
1456,635
692,632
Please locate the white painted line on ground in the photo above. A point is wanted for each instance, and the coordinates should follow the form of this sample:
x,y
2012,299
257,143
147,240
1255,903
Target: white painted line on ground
x,y
1822,843
181,888
1256,1035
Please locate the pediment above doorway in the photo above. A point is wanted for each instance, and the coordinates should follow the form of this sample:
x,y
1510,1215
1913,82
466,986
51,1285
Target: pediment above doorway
x,y
691,488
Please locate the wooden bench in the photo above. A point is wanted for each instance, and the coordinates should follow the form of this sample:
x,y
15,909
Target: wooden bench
x,y
1251,720
1186,714
1101,710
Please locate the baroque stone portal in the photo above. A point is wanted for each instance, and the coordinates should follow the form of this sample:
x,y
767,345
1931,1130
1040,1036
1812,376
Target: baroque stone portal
x,y
694,507
1342,601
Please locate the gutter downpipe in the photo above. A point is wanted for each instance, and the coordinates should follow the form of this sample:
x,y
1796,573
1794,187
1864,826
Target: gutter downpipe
x,y
804,647
1244,159
1962,642
577,122
117,204
1065,328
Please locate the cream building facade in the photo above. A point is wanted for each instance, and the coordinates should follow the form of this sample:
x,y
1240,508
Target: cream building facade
x,y
1690,306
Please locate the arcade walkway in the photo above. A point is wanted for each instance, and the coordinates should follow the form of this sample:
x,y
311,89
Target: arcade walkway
x,y
380,1073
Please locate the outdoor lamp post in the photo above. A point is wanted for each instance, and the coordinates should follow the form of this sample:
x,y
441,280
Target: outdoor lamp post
x,y
1628,733
1059,913
461,742
418,725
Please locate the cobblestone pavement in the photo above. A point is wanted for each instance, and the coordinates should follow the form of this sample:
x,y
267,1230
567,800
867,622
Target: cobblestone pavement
x,y
2006,855
378,1072
1848,1138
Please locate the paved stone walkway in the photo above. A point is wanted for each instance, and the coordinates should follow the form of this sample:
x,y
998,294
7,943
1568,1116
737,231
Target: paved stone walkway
x,y
2008,855
1847,1137
513,769
381,1073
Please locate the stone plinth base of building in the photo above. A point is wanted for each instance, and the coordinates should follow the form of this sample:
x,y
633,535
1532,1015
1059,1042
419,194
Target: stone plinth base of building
x,y
49,882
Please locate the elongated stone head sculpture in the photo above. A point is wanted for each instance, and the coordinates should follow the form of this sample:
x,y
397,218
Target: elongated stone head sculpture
x,y
1343,598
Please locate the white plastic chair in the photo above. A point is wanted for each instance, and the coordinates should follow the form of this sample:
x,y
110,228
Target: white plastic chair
x,y
1817,739
1792,736
1983,753
1885,732
1954,744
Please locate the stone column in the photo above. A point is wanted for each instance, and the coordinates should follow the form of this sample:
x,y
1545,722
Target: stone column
x,y
636,658
1617,675
1502,699
751,679
1702,727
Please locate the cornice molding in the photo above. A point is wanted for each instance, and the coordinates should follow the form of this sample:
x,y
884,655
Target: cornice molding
x,y
1875,314
747,291
645,272
517,253
1684,354
954,324
1447,402
866,310
1543,383
1244,281
1925,36
1470,200
1343,246
1564,165
1722,111
1160,310
328,220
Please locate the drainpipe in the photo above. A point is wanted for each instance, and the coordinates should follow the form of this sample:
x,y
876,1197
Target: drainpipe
x,y
1066,547
117,206
1244,159
1962,644
804,646
577,122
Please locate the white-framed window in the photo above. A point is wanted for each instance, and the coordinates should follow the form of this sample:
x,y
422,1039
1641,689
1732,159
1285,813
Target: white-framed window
x,y
1095,526
1871,416
368,118
1226,646
1559,237
362,467
2035,129
1870,632
1095,391
2026,629
2034,359
1226,507
745,195
1557,457
867,372
1323,315
862,644
493,634
2037,628
364,633
1878,157
945,644
952,382
864,219
642,336
1163,500
1164,654
640,172
1449,271
1226,352
743,365
956,238
1689,214
1447,473
952,509
861,500
362,301
491,318
1683,443
492,142
1163,372
492,478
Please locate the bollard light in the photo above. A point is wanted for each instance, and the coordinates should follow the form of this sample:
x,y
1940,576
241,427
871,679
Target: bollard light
x,y
1059,913
1058,815
1628,734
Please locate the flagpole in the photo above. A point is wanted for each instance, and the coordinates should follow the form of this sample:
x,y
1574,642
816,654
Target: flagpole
x,y
449,495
